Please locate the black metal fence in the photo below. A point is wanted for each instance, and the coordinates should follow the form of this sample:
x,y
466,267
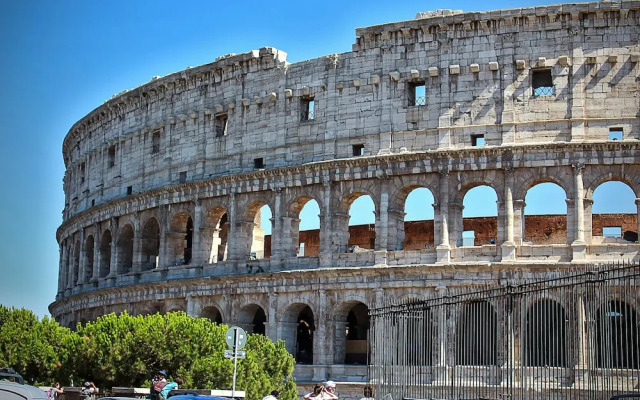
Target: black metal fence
x,y
574,336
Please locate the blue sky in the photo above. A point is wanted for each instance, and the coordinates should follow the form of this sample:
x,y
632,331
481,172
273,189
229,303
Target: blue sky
x,y
61,59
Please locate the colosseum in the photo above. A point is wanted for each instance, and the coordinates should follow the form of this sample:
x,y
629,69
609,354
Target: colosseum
x,y
165,183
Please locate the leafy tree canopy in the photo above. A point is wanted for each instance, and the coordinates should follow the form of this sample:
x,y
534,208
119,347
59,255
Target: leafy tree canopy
x,y
123,350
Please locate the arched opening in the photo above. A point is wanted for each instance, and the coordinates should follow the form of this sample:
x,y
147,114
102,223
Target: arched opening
x,y
356,333
105,254
306,227
419,227
479,217
253,318
125,250
261,233
617,336
150,244
545,214
180,240
545,335
212,313
76,264
362,224
304,336
476,338
217,232
88,254
614,215
414,336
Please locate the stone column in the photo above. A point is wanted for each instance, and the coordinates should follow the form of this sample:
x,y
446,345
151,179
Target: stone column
x,y
192,305
571,217
509,246
271,326
82,260
339,341
97,263
382,228
441,362
280,240
341,232
396,229
325,219
232,241
443,249
579,245
287,247
518,221
638,219
137,244
70,260
321,341
588,221
62,276
197,255
164,231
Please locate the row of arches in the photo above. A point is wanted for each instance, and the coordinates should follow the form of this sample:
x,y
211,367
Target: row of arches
x,y
544,336
141,246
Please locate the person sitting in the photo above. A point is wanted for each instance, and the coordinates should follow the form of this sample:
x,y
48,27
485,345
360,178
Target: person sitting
x,y
164,393
329,391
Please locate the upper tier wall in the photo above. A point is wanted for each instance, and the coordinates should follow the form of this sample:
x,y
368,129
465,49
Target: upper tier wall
x,y
477,69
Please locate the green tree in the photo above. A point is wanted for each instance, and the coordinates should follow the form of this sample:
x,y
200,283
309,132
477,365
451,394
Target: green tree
x,y
36,349
122,350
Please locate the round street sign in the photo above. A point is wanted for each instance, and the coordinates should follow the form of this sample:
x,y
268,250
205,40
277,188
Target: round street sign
x,y
236,336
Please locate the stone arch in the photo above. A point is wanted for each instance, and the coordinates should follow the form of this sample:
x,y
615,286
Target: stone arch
x,y
299,324
311,239
124,247
212,313
215,235
351,343
150,308
543,227
150,244
89,246
252,241
483,228
611,213
617,335
253,318
595,176
530,177
105,253
545,335
476,334
179,242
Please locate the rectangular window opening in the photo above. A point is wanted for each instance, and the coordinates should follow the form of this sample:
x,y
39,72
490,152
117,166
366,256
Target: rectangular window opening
x,y
542,82
112,156
477,140
301,250
155,142
357,150
258,163
615,133
417,94
83,167
308,106
183,177
221,124
129,190
468,238
612,231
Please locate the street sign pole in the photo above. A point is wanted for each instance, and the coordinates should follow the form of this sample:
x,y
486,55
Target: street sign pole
x,y
235,361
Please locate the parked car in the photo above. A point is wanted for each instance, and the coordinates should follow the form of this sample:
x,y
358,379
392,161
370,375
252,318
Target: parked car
x,y
18,391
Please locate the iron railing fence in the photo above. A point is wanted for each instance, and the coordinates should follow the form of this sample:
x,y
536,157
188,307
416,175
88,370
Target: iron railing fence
x,y
572,336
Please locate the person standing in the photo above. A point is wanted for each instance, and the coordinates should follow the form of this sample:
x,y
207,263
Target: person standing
x,y
329,391
88,391
55,391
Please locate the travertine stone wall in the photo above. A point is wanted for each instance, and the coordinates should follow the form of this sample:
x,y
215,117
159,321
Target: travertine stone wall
x,y
164,182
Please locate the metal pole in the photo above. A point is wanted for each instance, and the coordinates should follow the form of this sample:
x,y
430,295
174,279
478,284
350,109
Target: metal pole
x,y
235,361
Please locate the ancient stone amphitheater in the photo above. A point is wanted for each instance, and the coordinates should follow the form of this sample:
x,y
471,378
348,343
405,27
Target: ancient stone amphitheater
x,y
164,182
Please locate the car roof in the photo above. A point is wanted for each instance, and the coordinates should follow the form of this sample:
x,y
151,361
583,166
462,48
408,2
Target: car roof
x,y
16,391
197,397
